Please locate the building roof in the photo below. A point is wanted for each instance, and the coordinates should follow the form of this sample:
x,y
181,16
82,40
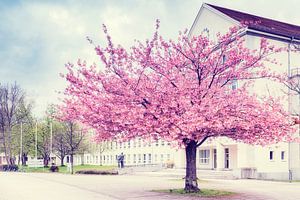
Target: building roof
x,y
262,24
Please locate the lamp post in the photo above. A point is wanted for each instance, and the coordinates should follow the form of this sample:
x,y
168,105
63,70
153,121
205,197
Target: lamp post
x,y
36,140
21,143
51,142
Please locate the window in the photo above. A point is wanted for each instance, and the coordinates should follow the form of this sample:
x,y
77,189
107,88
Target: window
x,y
224,59
139,142
204,156
168,157
162,143
149,158
134,158
128,159
155,158
134,143
271,155
226,158
205,32
234,84
144,161
116,145
128,144
156,143
140,158
161,158
282,155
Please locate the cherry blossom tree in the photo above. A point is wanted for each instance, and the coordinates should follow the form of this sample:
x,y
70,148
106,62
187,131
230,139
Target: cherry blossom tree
x,y
179,91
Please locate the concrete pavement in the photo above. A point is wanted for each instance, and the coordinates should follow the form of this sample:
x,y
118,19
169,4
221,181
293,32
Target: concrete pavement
x,y
34,186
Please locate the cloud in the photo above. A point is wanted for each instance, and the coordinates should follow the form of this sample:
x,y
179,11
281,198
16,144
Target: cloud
x,y
38,37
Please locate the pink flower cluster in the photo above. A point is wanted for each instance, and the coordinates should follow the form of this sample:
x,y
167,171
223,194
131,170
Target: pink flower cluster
x,y
177,90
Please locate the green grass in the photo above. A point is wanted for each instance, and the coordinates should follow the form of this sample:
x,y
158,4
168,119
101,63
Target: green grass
x,y
64,169
202,193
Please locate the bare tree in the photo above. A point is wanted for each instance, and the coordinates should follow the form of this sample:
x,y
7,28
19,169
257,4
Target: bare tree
x,y
12,111
60,146
74,137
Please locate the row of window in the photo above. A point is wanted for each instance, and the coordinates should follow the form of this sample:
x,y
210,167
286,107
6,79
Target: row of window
x,y
205,155
272,155
128,159
135,144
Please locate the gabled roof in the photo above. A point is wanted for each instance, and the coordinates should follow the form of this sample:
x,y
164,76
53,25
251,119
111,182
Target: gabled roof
x,y
262,24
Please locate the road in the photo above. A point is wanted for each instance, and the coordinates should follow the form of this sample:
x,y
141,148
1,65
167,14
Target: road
x,y
38,186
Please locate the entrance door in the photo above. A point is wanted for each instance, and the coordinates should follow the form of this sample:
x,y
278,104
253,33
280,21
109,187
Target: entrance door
x,y
215,159
226,158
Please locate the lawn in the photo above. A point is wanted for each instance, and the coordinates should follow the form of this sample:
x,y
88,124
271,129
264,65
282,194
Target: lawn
x,y
64,169
202,193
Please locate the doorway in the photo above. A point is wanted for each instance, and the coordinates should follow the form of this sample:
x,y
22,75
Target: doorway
x,y
215,158
226,158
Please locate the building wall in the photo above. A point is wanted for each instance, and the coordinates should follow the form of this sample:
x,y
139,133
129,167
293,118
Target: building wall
x,y
248,156
136,152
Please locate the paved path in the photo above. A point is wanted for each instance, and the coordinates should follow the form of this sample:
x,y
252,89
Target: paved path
x,y
34,186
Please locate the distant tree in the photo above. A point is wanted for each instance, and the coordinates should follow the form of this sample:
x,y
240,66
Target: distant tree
x,y
69,135
179,91
13,109
60,145
74,135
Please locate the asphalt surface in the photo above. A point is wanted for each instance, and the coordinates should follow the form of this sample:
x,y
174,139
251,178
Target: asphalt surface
x,y
36,186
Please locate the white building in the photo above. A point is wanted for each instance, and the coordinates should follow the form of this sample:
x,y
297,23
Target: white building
x,y
279,161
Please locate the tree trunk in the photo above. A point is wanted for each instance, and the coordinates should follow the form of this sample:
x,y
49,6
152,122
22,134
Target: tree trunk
x,y
19,159
71,162
11,159
82,159
62,160
191,184
4,145
46,161
24,156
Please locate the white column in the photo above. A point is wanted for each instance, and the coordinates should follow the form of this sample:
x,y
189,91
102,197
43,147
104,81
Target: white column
x,y
220,156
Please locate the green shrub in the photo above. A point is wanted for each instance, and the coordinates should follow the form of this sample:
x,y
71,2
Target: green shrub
x,y
12,168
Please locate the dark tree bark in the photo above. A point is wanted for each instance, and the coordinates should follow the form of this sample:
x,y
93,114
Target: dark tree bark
x,y
24,159
72,163
62,157
46,160
191,184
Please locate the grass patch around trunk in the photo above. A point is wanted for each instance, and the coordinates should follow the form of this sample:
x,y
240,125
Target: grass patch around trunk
x,y
202,193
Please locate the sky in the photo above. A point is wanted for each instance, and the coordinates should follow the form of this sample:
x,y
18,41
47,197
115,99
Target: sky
x,y
37,38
